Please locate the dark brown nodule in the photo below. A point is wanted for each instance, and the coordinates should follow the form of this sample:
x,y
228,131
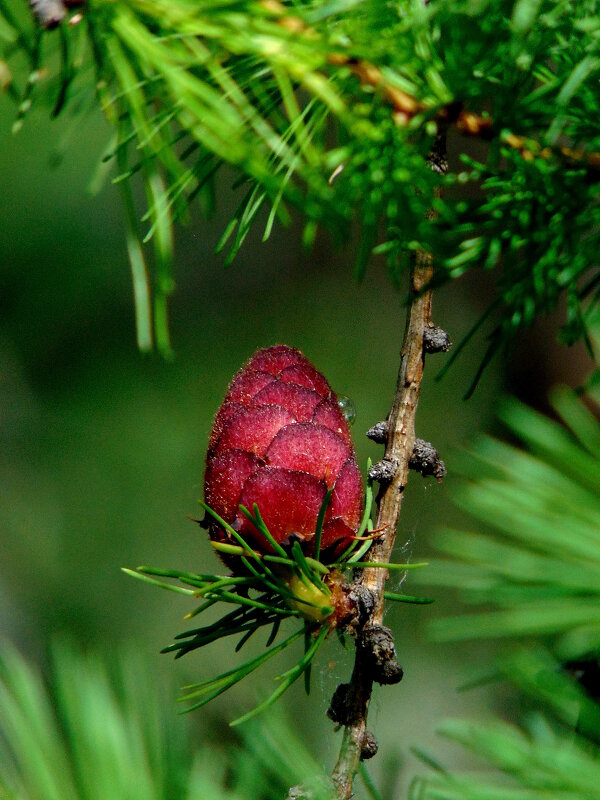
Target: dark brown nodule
x,y
369,747
363,601
378,433
353,604
343,709
384,471
436,340
426,460
377,649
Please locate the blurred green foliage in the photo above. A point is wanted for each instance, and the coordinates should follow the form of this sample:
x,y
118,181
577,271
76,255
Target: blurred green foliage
x,y
102,728
531,572
538,567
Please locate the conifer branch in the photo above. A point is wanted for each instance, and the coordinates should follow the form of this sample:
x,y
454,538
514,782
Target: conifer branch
x,y
375,655
293,96
468,123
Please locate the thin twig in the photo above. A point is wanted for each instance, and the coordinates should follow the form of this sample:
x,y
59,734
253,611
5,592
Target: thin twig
x,y
399,449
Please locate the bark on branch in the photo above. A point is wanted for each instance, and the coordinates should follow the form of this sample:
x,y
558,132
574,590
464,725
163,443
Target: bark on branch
x,y
398,452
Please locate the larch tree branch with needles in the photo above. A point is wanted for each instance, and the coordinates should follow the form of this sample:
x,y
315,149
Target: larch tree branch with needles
x,y
375,659
292,95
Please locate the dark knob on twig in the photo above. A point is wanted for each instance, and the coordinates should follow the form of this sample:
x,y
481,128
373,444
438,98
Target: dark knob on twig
x,y
436,340
343,709
384,471
369,747
426,460
378,433
377,649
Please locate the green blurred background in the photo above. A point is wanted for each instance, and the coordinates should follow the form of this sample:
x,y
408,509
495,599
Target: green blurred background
x,y
102,448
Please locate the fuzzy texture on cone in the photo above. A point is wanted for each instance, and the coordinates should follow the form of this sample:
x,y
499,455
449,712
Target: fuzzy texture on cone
x,y
279,440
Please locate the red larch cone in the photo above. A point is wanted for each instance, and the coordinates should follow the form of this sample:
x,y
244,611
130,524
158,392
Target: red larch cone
x,y
280,440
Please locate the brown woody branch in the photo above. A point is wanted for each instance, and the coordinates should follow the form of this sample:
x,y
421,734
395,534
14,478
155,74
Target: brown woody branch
x,y
375,659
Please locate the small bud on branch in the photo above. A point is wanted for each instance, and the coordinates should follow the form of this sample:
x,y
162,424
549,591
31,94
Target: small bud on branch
x,y
376,647
436,340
